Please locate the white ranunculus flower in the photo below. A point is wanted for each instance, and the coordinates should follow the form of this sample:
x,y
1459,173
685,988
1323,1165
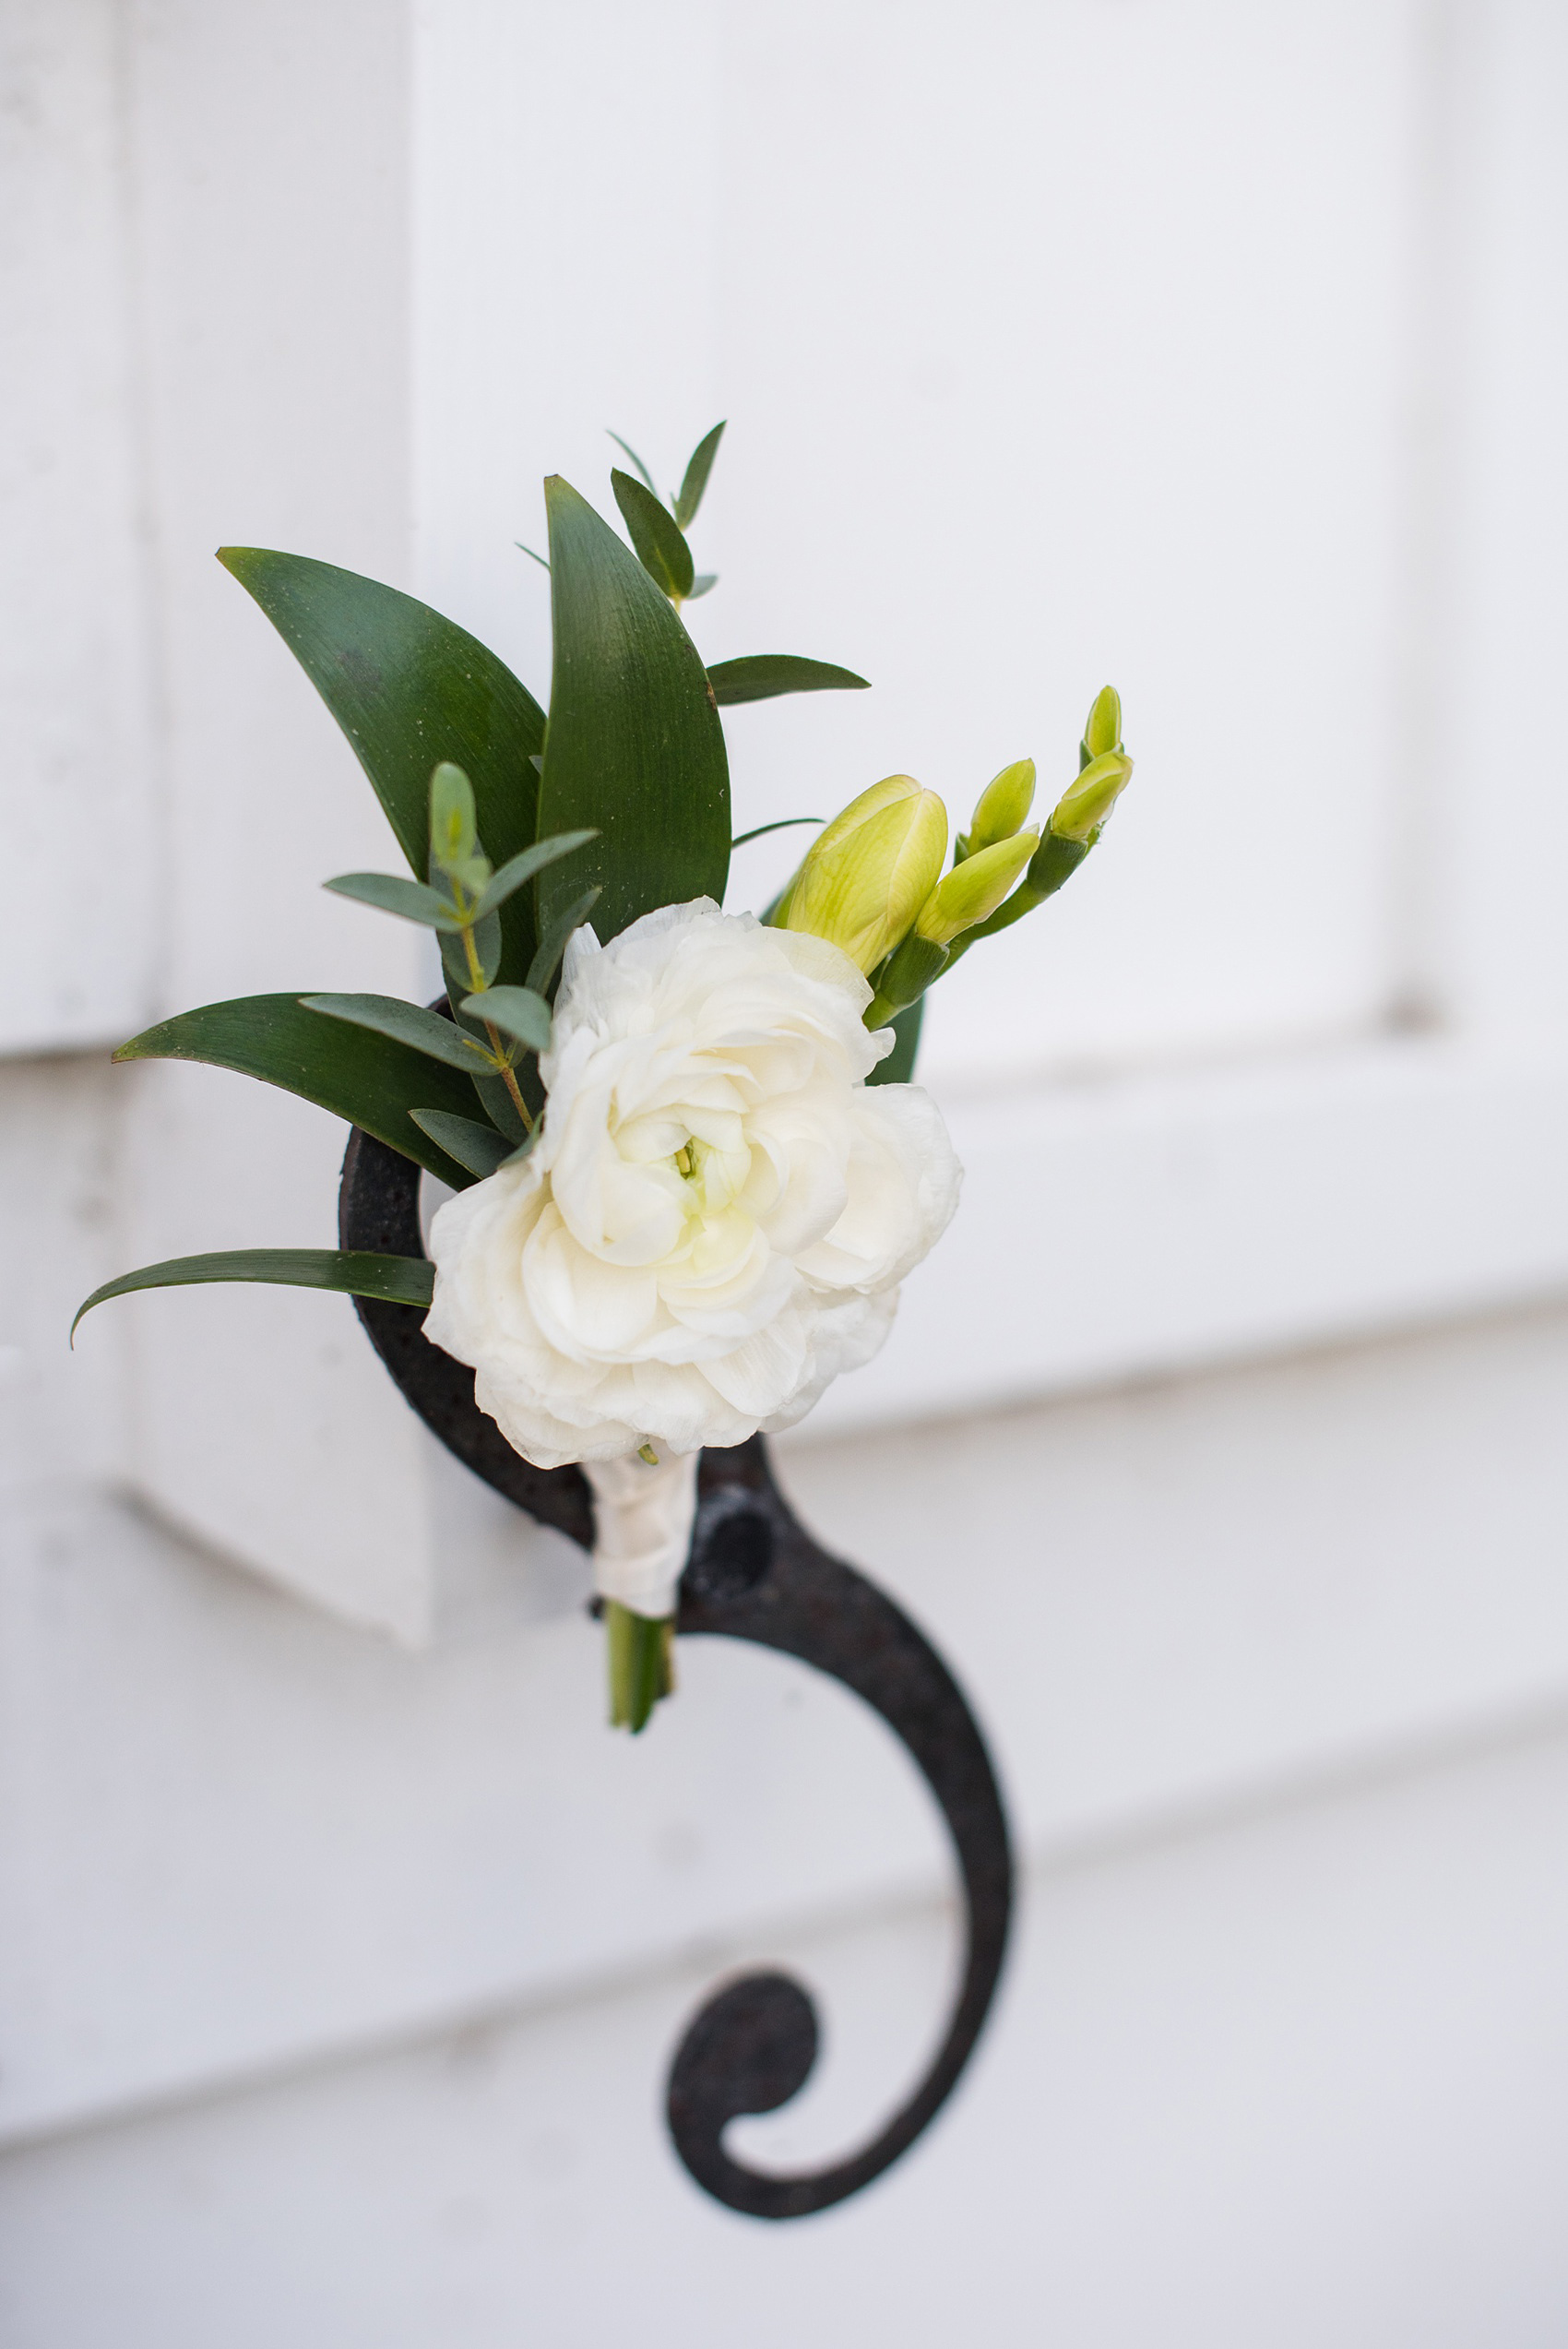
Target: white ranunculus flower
x,y
717,1213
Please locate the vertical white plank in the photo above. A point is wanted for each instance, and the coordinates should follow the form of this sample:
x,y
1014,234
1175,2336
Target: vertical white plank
x,y
78,799
270,151
1502,939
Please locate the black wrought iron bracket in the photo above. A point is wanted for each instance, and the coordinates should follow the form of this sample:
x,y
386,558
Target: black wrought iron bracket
x,y
755,1574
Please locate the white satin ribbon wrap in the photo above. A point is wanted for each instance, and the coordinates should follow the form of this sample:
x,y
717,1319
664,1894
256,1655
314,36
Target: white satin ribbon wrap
x,y
642,1528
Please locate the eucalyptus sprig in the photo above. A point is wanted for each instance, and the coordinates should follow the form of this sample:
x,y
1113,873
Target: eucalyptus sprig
x,y
493,1028
659,533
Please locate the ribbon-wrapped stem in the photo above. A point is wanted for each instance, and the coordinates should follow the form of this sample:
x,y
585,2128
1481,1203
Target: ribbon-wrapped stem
x,y
643,1508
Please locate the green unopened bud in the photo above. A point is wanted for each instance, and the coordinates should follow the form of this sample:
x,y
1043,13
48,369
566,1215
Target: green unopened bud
x,y
1103,731
1085,807
454,843
886,793
974,890
863,880
1003,807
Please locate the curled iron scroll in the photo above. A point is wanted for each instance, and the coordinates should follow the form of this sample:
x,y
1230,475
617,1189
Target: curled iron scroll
x,y
753,1574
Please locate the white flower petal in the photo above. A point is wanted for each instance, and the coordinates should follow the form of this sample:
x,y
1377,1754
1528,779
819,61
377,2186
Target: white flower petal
x,y
717,1214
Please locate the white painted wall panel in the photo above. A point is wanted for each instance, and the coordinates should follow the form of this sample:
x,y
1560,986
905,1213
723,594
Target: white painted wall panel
x,y
1500,942
270,154
1121,1226
240,1841
1057,343
62,1415
235,1835
86,900
1264,262
1297,2080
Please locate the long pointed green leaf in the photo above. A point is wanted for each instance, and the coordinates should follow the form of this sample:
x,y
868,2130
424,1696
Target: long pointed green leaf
x,y
410,1023
705,582
409,689
397,1279
899,1065
523,868
762,676
553,946
699,466
661,550
479,1148
635,745
372,1081
784,823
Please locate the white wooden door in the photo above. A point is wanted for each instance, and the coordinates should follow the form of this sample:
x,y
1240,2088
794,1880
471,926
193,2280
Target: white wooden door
x,y
1214,350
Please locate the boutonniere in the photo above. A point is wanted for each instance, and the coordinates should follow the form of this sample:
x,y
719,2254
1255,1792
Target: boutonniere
x,y
688,1169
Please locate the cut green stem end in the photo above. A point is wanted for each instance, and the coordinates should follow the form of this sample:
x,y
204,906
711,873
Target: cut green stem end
x,y
641,1654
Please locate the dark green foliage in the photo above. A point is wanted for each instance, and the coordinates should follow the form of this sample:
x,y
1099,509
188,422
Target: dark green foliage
x,y
426,1031
372,1081
899,1065
409,688
762,676
661,550
699,465
398,1279
479,1148
634,749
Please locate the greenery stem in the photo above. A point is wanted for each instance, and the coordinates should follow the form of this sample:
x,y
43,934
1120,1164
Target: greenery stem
x,y
509,1076
640,1652
504,1068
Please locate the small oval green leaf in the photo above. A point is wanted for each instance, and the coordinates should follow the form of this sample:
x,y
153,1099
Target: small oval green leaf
x,y
409,1022
698,471
522,868
627,446
516,1011
412,900
661,550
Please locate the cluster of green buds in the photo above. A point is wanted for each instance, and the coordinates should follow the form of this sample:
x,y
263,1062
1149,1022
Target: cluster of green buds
x,y
872,880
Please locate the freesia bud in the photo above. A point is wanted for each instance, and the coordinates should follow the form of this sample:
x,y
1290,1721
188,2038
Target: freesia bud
x,y
1103,731
865,877
1085,807
886,793
870,803
1003,807
974,890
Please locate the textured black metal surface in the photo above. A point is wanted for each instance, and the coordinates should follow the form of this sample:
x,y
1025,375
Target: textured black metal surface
x,y
755,1574
378,1208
